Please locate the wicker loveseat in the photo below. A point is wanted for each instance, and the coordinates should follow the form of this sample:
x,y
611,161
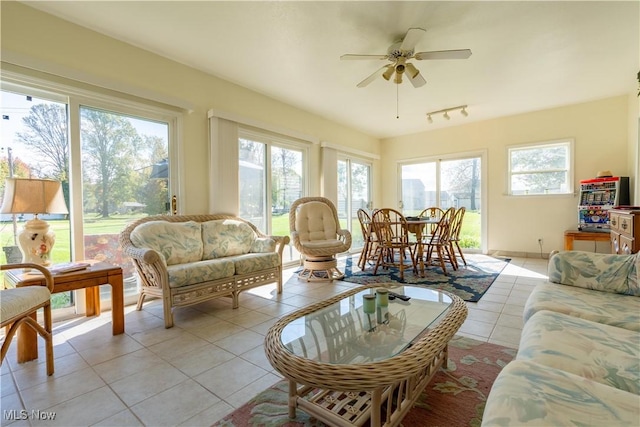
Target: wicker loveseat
x,y
187,259
578,362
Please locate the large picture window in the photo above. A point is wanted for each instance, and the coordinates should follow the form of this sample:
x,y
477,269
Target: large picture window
x,y
539,169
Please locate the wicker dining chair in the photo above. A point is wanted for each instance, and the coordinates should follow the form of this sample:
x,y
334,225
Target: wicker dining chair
x,y
437,245
368,253
433,213
454,238
392,232
19,308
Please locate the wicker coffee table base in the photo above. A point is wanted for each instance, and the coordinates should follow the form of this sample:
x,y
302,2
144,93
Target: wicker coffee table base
x,y
321,269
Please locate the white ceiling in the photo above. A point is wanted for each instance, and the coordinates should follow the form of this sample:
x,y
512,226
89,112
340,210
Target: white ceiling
x,y
527,55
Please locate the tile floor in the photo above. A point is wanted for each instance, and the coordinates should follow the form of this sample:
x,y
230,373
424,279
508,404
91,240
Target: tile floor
x,y
208,364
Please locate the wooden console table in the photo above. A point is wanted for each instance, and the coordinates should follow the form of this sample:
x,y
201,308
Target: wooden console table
x,y
571,235
99,273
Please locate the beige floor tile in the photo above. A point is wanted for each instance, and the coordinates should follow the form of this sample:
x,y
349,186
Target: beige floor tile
x,y
478,328
229,377
241,342
481,315
201,359
35,374
124,418
58,389
175,405
126,365
221,329
135,388
177,346
7,386
506,334
250,319
85,410
241,396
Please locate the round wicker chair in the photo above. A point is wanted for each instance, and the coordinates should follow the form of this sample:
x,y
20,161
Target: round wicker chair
x,y
316,234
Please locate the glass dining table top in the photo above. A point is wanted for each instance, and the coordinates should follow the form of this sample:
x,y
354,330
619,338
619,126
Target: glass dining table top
x,y
344,333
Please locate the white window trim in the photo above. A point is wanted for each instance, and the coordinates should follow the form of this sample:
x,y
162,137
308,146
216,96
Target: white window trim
x,y
570,171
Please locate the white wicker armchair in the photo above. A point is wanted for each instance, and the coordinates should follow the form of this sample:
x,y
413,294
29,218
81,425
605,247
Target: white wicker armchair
x,y
316,234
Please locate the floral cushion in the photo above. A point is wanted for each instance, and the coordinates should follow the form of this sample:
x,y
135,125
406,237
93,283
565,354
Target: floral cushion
x,y
226,237
263,245
529,394
601,272
603,307
200,272
602,353
249,263
178,243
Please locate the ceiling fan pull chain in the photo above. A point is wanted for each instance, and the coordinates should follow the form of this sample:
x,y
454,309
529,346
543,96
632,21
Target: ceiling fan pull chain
x,y
397,101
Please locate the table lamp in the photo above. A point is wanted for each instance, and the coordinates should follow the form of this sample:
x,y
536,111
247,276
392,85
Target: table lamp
x,y
34,196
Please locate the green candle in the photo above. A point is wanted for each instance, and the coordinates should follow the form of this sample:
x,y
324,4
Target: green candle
x,y
369,303
382,297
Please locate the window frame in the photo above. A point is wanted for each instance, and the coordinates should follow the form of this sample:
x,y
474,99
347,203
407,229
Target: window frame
x,y
569,143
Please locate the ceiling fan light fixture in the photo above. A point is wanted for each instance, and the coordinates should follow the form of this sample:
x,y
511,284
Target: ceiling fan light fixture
x,y
398,78
413,71
388,73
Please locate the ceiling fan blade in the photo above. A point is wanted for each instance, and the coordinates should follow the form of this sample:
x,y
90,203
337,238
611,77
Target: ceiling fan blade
x,y
417,80
412,38
350,56
372,77
444,54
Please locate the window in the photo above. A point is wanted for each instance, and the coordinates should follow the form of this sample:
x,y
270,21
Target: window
x,y
272,175
543,168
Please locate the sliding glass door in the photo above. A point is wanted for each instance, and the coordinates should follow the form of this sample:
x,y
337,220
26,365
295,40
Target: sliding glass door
x,y
354,192
113,161
445,183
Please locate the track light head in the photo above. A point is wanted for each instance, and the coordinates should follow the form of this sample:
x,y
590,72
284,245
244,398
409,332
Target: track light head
x,y
446,115
429,119
464,112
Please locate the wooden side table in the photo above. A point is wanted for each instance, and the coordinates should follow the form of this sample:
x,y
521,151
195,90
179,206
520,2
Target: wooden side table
x,y
98,273
571,235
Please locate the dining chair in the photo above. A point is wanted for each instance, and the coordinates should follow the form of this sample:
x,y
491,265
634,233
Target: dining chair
x,y
437,245
433,213
369,249
454,238
19,308
392,233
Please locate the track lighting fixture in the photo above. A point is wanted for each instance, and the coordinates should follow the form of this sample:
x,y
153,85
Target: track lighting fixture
x,y
445,111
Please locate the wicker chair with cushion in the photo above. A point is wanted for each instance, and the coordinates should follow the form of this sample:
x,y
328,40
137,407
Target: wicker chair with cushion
x,y
19,307
317,235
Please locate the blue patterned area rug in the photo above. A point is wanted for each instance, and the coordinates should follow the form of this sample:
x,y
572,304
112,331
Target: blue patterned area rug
x,y
469,283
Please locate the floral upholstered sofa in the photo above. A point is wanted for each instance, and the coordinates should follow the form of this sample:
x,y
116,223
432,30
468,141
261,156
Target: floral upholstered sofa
x,y
578,362
188,259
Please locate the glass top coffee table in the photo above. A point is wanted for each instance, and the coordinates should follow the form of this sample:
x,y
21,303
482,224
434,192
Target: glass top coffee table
x,y
351,358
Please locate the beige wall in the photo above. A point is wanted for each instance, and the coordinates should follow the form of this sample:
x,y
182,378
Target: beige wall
x,y
600,132
56,44
604,136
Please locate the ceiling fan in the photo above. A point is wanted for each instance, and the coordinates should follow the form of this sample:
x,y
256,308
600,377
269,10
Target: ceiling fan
x,y
399,53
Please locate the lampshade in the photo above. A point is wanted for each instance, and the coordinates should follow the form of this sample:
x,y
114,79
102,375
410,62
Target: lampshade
x,y
35,196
